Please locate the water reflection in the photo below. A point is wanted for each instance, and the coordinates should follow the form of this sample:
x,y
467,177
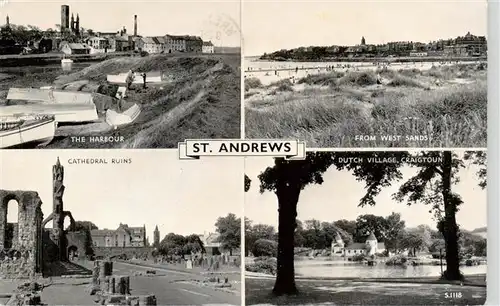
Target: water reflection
x,y
316,268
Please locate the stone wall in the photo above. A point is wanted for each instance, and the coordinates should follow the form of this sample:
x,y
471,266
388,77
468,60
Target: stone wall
x,y
24,257
79,240
130,252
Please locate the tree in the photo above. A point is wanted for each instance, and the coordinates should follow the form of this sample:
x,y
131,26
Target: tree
x,y
248,183
394,230
256,232
347,225
229,229
84,225
264,247
432,185
366,224
287,179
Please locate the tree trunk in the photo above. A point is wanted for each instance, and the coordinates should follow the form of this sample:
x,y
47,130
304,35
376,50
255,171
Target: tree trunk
x,y
288,198
450,228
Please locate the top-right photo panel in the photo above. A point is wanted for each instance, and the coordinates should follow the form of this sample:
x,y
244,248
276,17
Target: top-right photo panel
x,y
366,73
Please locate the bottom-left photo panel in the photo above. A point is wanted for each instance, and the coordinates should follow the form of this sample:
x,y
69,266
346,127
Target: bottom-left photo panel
x,y
120,227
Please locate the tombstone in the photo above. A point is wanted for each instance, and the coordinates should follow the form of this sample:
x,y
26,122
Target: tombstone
x,y
216,265
189,264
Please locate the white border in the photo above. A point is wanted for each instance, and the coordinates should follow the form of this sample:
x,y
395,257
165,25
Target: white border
x,y
492,277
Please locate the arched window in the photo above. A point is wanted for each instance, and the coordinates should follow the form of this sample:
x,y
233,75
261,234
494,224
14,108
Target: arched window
x,y
12,228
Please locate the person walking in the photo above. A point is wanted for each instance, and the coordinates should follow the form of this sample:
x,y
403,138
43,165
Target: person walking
x,y
130,78
144,80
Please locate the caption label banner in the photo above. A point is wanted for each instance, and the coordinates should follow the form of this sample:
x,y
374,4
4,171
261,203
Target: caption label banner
x,y
289,149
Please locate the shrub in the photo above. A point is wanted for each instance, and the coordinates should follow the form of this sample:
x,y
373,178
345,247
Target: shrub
x,y
397,260
360,78
252,83
264,265
359,257
265,247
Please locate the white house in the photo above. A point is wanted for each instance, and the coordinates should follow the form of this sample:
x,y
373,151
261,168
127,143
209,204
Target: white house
x,y
370,247
70,48
207,47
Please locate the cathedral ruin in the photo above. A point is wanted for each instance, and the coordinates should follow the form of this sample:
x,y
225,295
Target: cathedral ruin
x,y
27,249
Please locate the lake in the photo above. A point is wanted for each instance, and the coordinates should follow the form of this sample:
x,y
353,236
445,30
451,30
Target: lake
x,y
324,268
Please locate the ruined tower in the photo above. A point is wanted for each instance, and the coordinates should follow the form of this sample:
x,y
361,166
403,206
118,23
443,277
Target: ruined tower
x,y
64,17
77,25
135,25
58,210
156,242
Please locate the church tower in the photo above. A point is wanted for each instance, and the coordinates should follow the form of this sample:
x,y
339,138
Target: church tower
x,y
156,242
363,41
77,25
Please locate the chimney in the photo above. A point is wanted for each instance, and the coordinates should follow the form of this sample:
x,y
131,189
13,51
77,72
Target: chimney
x,y
135,25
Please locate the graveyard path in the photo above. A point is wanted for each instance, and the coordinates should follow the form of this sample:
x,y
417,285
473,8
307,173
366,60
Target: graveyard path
x,y
173,288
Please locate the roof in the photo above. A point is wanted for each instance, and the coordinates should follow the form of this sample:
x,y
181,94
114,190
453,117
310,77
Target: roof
x,y
148,40
103,232
160,40
98,38
337,236
371,237
77,46
363,246
207,43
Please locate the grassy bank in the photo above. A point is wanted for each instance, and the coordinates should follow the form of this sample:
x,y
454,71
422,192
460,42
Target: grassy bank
x,y
200,99
441,107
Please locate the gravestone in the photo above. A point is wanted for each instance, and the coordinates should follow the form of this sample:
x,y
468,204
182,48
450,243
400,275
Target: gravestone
x,y
189,264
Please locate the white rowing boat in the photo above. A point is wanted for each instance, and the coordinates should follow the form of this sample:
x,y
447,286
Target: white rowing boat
x,y
37,130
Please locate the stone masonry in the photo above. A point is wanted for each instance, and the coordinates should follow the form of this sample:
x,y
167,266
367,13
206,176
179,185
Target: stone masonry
x,y
24,258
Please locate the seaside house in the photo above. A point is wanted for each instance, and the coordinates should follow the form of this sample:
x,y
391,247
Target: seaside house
x,y
208,47
74,48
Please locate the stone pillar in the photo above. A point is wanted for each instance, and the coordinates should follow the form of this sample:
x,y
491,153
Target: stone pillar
x,y
147,300
122,285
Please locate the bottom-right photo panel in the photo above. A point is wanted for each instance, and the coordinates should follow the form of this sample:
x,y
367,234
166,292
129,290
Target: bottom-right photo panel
x,y
366,227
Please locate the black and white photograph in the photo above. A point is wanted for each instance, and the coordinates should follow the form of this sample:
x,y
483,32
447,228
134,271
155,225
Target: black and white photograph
x,y
366,228
342,74
118,74
90,228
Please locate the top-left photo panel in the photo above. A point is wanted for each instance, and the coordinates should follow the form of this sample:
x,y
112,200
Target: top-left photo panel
x,y
118,74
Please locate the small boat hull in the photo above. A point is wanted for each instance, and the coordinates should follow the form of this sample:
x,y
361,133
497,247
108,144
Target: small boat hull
x,y
36,132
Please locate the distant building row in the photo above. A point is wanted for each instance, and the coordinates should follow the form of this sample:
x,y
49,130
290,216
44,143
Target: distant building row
x,y
151,45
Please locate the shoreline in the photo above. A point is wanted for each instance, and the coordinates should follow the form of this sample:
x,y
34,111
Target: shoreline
x,y
403,59
422,279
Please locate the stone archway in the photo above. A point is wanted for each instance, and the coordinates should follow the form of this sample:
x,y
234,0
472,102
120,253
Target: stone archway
x,y
72,252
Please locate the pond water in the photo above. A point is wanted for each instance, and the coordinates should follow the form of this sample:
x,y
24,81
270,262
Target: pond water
x,y
317,268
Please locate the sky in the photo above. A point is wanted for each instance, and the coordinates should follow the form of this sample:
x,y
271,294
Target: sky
x,y
154,18
181,196
338,197
273,25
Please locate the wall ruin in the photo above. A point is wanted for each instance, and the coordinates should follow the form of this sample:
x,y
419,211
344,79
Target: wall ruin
x,y
23,259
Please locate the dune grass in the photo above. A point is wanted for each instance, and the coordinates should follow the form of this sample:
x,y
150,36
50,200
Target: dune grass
x,y
202,101
408,105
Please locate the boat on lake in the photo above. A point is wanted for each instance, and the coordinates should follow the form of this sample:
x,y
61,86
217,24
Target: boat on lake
x,y
17,131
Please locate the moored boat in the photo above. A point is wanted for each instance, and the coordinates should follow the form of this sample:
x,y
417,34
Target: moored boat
x,y
36,130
